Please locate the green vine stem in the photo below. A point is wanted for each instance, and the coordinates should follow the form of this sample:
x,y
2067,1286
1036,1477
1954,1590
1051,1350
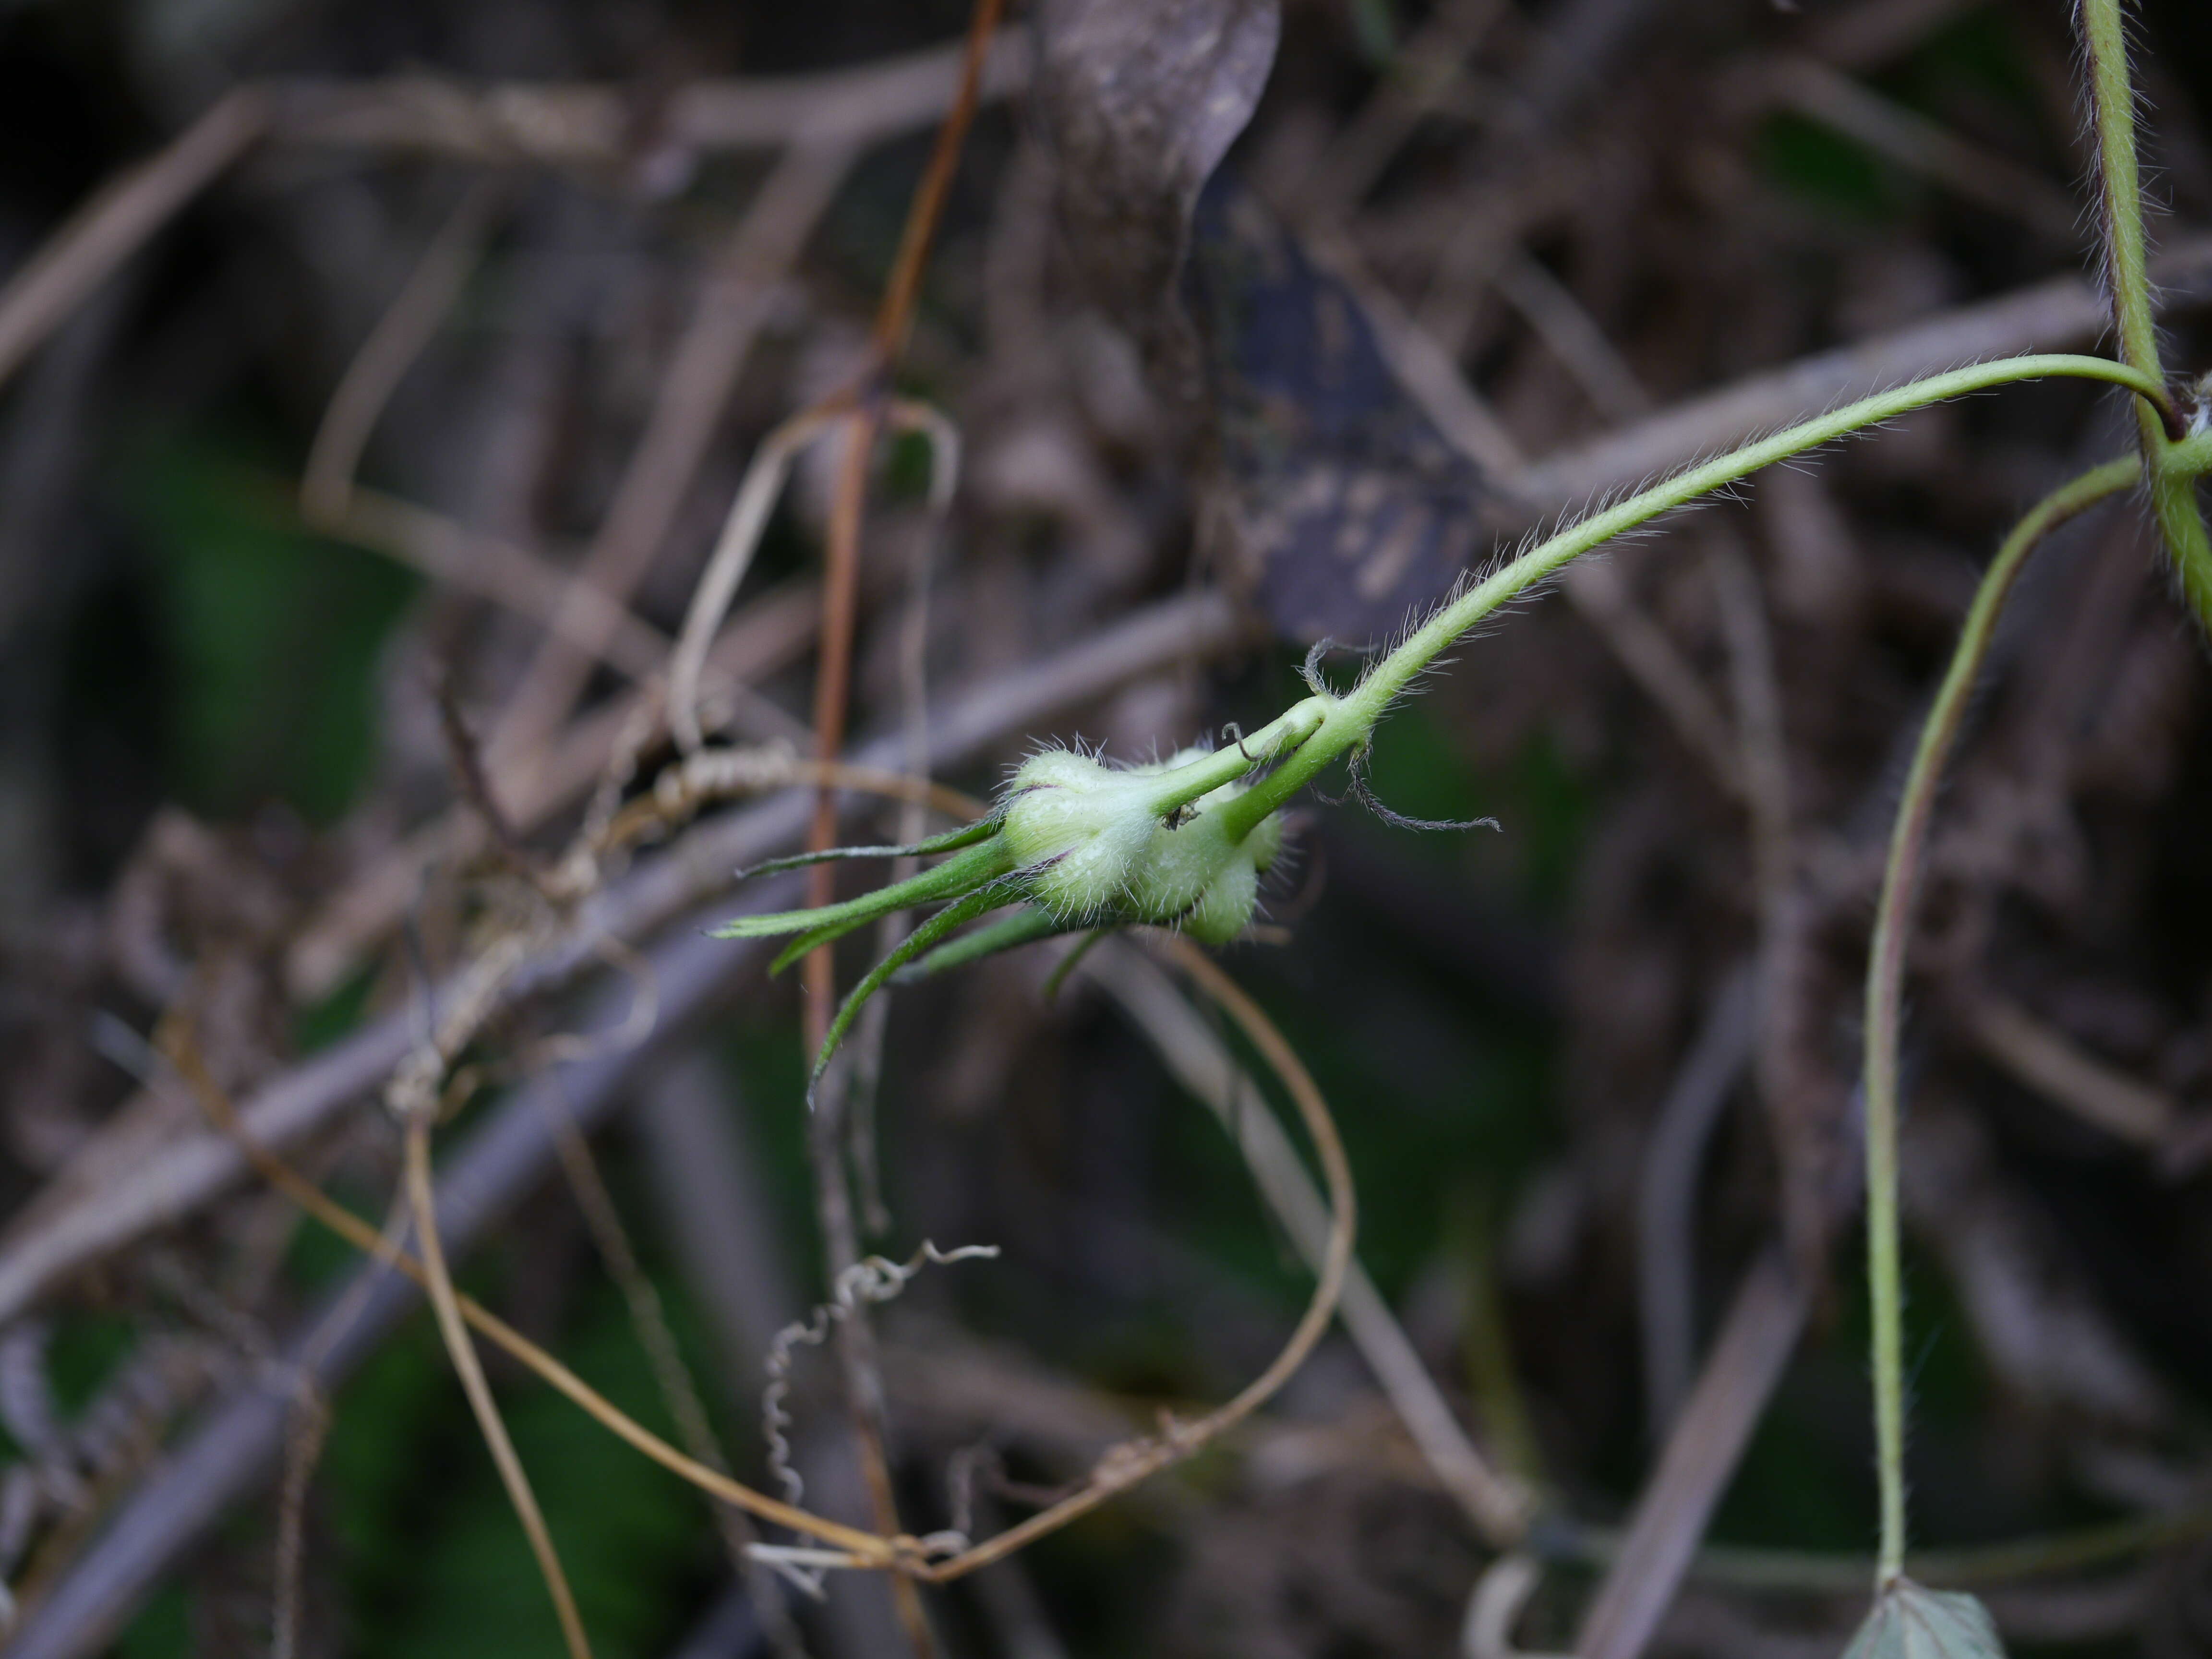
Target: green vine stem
x,y
1885,980
2111,93
1182,843
1348,722
2172,476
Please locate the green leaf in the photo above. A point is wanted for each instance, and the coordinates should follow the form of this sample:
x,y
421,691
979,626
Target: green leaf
x,y
1909,1622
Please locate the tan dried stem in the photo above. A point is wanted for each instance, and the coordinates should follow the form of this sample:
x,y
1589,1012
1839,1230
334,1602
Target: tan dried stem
x,y
702,370
454,1330
840,604
377,368
499,570
1201,1061
1119,1470
648,1320
280,1175
748,517
1138,1460
498,124
117,218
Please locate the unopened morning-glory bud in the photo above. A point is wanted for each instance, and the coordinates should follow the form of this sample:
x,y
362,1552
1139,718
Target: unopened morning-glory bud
x,y
1098,844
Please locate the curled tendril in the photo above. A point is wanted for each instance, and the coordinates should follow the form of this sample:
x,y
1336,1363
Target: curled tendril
x,y
1396,820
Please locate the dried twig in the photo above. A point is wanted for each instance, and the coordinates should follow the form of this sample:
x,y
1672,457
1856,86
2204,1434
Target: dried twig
x,y
1202,1063
1126,1465
1666,1262
493,1427
1914,141
582,124
498,570
832,671
2062,312
110,227
578,124
326,481
2064,1074
185,1174
701,372
1715,1425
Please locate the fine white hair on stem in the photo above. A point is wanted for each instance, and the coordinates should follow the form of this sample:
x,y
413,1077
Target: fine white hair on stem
x,y
1750,455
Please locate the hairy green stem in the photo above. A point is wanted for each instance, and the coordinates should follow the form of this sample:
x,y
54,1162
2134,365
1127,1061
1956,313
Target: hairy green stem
x,y
1885,984
1348,721
2111,93
2173,499
2173,471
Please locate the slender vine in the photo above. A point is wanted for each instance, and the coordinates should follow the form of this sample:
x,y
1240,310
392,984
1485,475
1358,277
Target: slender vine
x,y
2172,475
2176,452
1886,978
1075,845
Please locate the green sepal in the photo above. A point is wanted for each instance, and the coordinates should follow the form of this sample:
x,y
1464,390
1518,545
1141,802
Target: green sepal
x,y
1068,963
990,897
966,835
811,941
1025,926
958,874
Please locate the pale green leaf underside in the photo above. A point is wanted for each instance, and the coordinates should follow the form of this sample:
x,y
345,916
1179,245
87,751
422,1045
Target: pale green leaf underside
x,y
1909,1622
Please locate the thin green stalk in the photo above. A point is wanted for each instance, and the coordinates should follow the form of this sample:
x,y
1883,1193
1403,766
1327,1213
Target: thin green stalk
x,y
2111,93
1350,719
2173,471
1885,980
2174,499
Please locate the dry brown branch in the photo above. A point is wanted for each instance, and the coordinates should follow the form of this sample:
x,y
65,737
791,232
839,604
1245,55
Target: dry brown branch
x,y
303,1447
1424,365
500,571
1119,1469
423,1200
2068,1076
327,480
764,637
1716,1424
1204,1065
2051,316
649,1323
1572,336
184,1175
41,293
732,557
1599,591
574,124
598,124
1922,146
1126,1465
1495,1607
701,372
841,586
1418,83
1682,1129
311,1200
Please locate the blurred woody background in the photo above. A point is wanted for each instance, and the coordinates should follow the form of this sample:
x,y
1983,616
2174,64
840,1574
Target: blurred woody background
x,y
378,379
